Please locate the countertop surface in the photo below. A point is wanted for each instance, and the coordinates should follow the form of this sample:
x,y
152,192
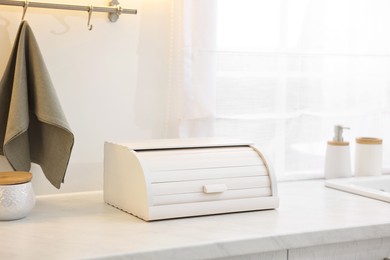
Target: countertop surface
x,y
81,225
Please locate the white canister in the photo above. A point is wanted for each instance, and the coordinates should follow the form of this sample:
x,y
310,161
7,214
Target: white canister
x,y
368,156
17,197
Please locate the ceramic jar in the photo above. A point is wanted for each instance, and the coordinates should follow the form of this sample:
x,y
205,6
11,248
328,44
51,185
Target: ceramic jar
x,y
368,156
17,197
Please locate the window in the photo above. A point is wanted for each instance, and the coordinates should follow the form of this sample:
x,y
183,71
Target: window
x,y
288,71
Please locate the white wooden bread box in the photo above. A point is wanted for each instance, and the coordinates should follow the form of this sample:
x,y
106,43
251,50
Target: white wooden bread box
x,y
170,178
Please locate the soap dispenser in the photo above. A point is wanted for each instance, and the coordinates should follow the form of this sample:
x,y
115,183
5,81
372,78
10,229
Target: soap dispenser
x,y
338,158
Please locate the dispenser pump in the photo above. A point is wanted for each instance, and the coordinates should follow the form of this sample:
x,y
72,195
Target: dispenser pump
x,y
338,133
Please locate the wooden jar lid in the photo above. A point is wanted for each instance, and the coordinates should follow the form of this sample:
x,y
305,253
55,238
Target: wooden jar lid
x,y
338,143
10,178
368,140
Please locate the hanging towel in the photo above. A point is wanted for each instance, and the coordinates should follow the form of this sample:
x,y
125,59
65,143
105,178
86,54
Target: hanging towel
x,y
33,127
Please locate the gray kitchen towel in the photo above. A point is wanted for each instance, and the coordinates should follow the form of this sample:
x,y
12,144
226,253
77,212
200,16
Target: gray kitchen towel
x,y
33,127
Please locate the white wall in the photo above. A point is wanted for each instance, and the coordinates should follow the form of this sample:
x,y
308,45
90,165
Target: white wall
x,y
111,81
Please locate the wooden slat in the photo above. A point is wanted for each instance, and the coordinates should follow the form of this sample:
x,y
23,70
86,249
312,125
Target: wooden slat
x,y
204,174
165,161
199,197
197,186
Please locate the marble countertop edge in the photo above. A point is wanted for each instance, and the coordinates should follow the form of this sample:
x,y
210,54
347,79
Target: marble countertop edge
x,y
248,246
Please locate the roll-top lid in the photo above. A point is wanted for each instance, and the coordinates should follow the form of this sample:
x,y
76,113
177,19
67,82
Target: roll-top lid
x,y
180,143
11,178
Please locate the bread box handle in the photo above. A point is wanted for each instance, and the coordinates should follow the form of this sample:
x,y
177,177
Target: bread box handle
x,y
214,188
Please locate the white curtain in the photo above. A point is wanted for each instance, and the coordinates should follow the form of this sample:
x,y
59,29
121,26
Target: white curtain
x,y
281,73
192,70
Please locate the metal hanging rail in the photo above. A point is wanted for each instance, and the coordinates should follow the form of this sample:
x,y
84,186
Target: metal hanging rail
x,y
114,10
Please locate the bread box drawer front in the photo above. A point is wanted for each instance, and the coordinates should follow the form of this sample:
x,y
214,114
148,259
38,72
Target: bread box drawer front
x,y
180,176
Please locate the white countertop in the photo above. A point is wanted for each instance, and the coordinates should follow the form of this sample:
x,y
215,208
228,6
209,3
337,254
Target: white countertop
x,y
81,225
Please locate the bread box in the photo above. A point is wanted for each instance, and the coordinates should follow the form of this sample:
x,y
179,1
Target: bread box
x,y
171,178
